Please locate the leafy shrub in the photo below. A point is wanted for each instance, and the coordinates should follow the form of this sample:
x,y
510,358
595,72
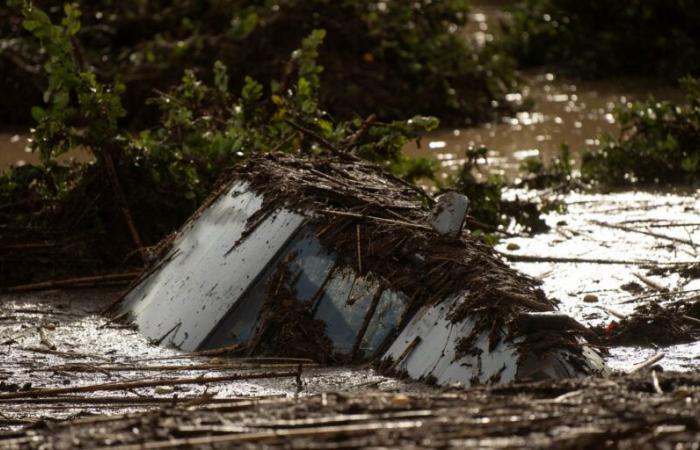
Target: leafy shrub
x,y
164,172
659,143
154,177
394,59
557,174
487,204
602,38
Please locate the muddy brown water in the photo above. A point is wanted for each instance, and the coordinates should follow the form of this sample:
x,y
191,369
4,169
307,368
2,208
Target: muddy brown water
x,y
564,111
576,113
59,340
15,150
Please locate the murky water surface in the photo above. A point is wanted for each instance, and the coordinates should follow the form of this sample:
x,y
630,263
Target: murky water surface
x,y
59,340
614,228
15,150
572,112
579,113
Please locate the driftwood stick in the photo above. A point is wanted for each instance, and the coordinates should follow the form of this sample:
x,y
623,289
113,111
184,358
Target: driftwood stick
x,y
123,205
213,352
675,225
377,219
126,385
44,339
365,323
80,367
118,400
655,383
72,282
274,435
73,355
692,320
648,363
612,312
555,259
360,133
313,135
648,233
359,250
407,351
649,282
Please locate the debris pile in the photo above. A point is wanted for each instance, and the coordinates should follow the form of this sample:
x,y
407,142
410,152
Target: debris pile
x,y
622,412
354,245
654,324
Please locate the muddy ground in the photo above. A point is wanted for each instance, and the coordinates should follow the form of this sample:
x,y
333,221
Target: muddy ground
x,y
620,412
71,379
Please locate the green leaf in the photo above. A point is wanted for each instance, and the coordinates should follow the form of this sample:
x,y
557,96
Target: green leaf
x,y
38,113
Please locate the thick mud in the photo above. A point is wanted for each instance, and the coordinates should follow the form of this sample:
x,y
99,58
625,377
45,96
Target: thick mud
x,y
642,411
634,247
62,359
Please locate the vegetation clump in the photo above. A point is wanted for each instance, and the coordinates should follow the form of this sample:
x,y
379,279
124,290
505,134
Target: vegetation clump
x,y
659,142
557,174
393,59
596,38
151,180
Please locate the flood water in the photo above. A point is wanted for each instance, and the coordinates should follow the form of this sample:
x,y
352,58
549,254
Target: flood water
x,y
15,150
563,111
576,113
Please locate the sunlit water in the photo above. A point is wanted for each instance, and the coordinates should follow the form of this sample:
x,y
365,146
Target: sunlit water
x,y
15,150
585,232
576,113
579,113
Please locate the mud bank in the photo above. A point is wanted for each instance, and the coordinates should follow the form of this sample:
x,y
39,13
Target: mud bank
x,y
646,410
611,254
62,360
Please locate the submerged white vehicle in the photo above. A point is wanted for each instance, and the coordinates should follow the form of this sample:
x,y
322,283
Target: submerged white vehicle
x,y
335,260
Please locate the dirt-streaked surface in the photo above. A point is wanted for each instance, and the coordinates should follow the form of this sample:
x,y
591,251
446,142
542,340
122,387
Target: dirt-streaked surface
x,y
58,340
642,242
619,412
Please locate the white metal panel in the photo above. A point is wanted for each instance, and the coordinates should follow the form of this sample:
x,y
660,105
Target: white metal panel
x,y
208,273
343,307
434,356
308,265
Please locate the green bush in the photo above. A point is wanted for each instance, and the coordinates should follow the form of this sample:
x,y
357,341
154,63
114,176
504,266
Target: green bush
x,y
659,38
161,174
659,143
394,59
164,172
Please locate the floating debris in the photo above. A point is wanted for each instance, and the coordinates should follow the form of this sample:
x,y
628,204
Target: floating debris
x,y
334,259
659,410
653,324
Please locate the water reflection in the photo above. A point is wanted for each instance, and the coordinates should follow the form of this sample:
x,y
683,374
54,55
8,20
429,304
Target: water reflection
x,y
564,111
15,151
